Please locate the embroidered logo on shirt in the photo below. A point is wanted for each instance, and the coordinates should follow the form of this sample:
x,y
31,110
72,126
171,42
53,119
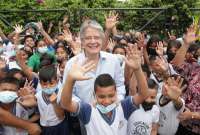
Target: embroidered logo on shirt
x,y
139,128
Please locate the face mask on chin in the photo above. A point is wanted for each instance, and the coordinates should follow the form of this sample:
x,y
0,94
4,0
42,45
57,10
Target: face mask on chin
x,y
106,109
7,97
147,105
49,91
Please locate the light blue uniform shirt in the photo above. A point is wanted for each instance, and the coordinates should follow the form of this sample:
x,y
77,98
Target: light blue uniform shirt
x,y
108,63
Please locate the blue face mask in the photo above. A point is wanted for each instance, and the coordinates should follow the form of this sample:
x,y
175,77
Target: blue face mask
x,y
106,109
49,91
7,97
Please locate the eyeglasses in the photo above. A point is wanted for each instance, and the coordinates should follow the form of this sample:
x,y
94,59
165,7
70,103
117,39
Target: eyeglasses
x,y
92,37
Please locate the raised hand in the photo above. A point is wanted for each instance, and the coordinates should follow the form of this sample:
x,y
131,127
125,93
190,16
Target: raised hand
x,y
18,28
28,89
111,20
173,88
77,72
67,35
134,56
39,25
190,35
27,101
162,63
111,44
159,48
50,24
141,40
65,19
171,37
76,49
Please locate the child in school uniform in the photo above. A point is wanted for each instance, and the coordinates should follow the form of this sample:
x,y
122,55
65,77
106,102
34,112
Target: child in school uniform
x,y
52,117
144,121
8,96
107,116
171,105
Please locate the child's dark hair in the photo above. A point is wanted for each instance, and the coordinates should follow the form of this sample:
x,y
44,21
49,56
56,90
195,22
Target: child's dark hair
x,y
13,71
46,60
10,80
152,58
119,46
48,73
65,46
104,80
28,36
152,84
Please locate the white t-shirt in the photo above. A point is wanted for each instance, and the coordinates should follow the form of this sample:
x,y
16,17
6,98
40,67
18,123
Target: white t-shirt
x,y
168,122
48,116
140,121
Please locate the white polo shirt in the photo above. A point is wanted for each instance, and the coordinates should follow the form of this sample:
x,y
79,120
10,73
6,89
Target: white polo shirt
x,y
140,121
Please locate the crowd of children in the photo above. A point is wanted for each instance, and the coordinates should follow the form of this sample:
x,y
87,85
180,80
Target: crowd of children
x,y
98,82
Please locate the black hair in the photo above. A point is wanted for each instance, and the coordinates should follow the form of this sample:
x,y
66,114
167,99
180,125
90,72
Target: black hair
x,y
152,58
119,46
46,60
38,40
153,39
47,73
13,71
27,52
104,80
65,46
173,43
145,69
152,84
29,36
193,49
10,80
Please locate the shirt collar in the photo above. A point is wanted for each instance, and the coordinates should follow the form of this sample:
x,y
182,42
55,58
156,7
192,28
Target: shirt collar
x,y
101,54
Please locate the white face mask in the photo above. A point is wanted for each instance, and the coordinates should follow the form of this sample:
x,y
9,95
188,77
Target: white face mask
x,y
7,97
106,109
42,49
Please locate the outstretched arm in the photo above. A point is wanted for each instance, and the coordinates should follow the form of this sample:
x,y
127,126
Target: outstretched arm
x,y
7,118
133,60
43,32
76,73
110,25
190,37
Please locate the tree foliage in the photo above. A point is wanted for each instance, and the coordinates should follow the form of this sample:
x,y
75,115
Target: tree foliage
x,y
176,17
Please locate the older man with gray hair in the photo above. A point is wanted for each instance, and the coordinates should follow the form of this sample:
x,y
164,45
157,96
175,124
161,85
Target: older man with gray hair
x,y
92,39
